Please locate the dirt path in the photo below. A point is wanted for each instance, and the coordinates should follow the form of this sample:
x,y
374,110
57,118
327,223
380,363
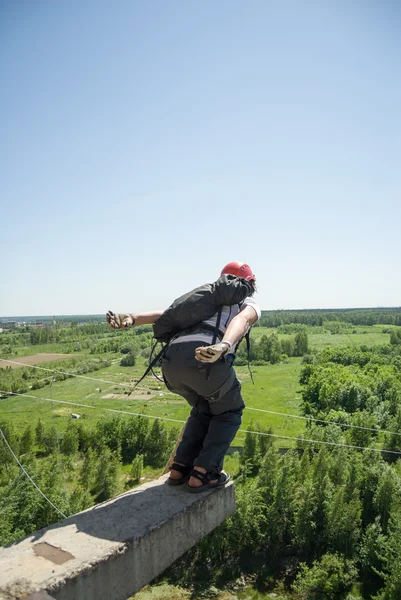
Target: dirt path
x,y
34,359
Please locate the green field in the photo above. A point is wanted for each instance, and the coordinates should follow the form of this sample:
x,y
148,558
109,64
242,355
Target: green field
x,y
276,388
108,392
369,335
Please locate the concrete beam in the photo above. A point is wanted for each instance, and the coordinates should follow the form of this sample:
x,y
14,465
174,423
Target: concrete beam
x,y
112,550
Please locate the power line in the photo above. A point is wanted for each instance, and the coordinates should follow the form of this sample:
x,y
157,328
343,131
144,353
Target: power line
x,y
287,437
375,430
29,477
262,433
58,439
271,412
113,410
128,385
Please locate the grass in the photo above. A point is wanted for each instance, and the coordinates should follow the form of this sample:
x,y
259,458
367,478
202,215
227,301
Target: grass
x,y
369,338
163,591
56,348
355,336
276,389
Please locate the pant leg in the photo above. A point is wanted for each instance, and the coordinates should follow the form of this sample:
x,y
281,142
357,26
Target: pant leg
x,y
194,434
223,427
215,395
175,367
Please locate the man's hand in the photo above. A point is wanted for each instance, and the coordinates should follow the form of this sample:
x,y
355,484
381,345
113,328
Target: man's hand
x,y
119,320
210,354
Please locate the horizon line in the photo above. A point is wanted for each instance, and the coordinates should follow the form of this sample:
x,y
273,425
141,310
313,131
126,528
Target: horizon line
x,y
61,315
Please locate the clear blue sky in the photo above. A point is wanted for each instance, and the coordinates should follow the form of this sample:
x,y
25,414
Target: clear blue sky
x,y
145,144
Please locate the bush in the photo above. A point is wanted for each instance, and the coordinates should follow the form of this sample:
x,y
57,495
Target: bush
x,y
301,343
126,348
395,336
38,384
327,579
137,468
128,360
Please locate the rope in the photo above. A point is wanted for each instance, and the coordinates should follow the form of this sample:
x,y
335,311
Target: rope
x,y
29,477
376,430
129,385
285,437
271,412
113,410
58,439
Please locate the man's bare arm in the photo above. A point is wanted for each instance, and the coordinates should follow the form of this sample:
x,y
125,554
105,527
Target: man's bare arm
x,y
240,325
125,320
146,318
235,331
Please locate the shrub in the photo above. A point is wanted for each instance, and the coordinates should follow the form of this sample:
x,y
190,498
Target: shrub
x,y
327,579
128,360
137,467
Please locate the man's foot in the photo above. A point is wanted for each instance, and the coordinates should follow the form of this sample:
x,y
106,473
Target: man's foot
x,y
179,473
195,482
203,479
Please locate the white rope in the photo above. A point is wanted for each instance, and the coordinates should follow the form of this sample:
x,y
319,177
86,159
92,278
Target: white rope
x,y
272,412
113,410
58,440
285,437
29,477
128,385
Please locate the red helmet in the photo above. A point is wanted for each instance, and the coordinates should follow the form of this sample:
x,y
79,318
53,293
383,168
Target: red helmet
x,y
239,269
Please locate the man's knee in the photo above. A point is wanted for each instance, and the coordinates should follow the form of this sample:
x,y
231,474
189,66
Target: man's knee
x,y
230,417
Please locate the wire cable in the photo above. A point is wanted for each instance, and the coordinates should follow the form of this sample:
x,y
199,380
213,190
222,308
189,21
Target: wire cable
x,y
375,430
29,477
129,385
285,437
58,439
271,412
113,410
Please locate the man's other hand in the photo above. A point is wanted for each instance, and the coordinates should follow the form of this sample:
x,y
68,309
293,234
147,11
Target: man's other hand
x,y
119,320
210,354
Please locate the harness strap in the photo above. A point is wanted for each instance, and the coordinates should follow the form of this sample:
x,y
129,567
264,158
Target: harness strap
x,y
217,328
248,349
153,362
216,331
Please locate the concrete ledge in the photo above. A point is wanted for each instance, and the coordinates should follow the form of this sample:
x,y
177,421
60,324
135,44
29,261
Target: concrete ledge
x,y
111,551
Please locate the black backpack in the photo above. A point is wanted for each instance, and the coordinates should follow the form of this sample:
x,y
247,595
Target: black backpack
x,y
200,304
190,310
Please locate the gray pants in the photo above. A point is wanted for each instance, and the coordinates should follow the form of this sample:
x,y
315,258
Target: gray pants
x,y
214,393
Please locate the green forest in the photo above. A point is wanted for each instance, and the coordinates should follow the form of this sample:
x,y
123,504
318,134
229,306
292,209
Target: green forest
x,y
317,518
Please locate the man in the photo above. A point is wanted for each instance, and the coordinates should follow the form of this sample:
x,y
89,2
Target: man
x,y
201,371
